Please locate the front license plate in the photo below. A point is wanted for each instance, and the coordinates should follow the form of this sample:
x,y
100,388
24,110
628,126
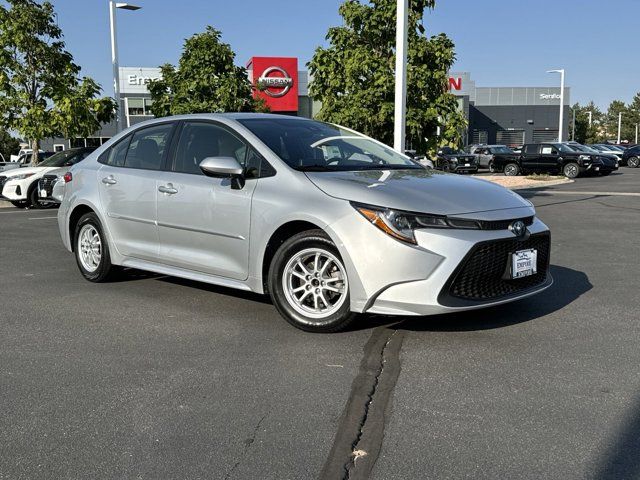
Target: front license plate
x,y
43,193
524,263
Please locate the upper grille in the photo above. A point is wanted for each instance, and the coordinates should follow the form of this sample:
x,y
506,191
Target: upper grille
x,y
483,275
46,183
503,224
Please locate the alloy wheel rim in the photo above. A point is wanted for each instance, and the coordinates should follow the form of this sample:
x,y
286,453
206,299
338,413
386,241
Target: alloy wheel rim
x,y
633,162
89,248
315,283
571,170
510,170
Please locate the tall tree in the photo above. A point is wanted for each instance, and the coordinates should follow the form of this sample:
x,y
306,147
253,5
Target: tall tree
x,y
41,94
354,76
206,80
611,121
588,119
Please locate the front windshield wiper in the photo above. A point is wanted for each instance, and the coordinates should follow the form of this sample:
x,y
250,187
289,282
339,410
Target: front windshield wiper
x,y
314,168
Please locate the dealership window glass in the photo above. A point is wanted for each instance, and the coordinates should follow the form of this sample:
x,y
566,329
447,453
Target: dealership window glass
x,y
147,106
309,145
199,140
93,141
77,142
136,106
147,146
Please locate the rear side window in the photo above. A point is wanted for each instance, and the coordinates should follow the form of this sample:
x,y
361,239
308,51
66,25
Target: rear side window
x,y
147,147
531,149
115,155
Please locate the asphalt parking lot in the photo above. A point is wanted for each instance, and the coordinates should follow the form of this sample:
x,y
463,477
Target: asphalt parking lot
x,y
156,377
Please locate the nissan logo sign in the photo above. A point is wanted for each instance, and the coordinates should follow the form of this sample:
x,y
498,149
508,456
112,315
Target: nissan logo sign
x,y
266,82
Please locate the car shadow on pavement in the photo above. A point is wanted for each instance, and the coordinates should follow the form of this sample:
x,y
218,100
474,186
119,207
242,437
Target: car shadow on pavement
x,y
568,285
621,459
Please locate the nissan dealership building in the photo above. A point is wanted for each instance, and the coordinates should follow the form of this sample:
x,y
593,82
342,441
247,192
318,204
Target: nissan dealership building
x,y
504,115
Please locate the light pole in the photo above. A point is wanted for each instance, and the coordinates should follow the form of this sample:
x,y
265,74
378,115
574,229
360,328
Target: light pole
x,y
619,126
400,114
114,56
573,125
561,72
590,115
637,133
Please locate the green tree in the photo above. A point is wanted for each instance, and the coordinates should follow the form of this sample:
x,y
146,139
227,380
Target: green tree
x,y
354,76
588,119
633,118
8,145
41,94
610,124
205,81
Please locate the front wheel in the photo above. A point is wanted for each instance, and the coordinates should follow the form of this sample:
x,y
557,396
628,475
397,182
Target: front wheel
x,y
511,169
91,249
308,283
571,170
633,162
492,167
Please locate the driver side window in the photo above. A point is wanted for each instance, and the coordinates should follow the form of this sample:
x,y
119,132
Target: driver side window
x,y
199,140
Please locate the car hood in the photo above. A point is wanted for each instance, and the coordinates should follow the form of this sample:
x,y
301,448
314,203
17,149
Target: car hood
x,y
425,191
21,171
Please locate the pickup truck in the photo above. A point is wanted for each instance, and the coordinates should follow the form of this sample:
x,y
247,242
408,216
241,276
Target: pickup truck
x,y
557,158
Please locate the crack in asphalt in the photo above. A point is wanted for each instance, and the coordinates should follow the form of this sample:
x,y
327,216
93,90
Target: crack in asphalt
x,y
358,439
247,444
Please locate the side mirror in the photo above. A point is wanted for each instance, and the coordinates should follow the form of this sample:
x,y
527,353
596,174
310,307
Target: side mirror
x,y
439,152
221,167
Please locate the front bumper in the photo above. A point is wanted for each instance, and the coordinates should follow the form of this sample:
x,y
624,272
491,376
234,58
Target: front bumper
x,y
393,278
15,190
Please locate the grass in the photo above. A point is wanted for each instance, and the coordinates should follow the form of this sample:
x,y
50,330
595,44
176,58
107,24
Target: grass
x,y
542,177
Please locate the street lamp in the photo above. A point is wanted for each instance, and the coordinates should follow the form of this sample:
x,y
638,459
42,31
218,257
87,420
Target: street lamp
x,y
561,72
619,125
590,115
400,111
114,55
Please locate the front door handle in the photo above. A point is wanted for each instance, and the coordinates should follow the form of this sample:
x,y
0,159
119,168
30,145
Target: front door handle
x,y
109,180
168,189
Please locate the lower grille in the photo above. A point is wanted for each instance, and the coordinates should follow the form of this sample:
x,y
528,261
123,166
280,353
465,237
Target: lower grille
x,y
483,275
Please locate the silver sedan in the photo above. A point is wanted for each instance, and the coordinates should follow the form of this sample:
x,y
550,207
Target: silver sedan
x,y
328,222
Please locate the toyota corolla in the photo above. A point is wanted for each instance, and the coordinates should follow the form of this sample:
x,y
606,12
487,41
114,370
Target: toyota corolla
x,y
328,222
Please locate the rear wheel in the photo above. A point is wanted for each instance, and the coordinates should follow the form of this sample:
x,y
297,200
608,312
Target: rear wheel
x,y
633,162
511,169
308,283
492,167
20,204
91,249
571,170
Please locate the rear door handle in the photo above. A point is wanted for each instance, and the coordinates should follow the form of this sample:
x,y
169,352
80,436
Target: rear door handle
x,y
168,189
109,180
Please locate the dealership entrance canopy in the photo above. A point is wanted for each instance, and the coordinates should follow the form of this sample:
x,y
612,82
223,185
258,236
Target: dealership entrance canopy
x,y
503,115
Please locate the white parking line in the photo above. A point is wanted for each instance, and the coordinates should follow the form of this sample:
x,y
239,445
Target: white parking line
x,y
572,192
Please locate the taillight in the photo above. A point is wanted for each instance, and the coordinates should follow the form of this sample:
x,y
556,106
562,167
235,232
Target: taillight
x,y
67,177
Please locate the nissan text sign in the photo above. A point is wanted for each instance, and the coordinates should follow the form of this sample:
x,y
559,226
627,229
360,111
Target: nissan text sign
x,y
275,79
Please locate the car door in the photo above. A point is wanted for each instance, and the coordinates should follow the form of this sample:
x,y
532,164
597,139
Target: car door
x,y
529,157
204,222
548,159
128,185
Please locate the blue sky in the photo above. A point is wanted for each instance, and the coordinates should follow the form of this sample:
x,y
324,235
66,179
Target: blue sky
x,y
501,42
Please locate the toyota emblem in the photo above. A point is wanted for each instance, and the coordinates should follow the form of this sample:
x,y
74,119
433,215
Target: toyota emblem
x,y
518,228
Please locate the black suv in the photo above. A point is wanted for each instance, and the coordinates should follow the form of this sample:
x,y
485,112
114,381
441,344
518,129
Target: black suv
x,y
455,160
494,157
631,157
555,158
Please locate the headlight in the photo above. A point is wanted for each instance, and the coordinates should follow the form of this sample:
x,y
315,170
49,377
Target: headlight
x,y
22,176
585,157
401,225
454,159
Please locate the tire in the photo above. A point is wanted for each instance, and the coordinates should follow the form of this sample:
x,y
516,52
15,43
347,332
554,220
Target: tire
x,y
633,162
32,197
92,270
21,204
511,169
301,263
492,167
571,170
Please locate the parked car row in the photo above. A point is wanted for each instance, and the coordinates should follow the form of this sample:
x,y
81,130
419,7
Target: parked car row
x,y
23,187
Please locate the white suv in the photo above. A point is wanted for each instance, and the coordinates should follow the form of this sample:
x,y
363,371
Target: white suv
x,y
20,186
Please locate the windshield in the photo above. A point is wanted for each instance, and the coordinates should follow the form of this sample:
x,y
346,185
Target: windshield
x,y
62,158
308,145
563,148
582,148
501,150
452,151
